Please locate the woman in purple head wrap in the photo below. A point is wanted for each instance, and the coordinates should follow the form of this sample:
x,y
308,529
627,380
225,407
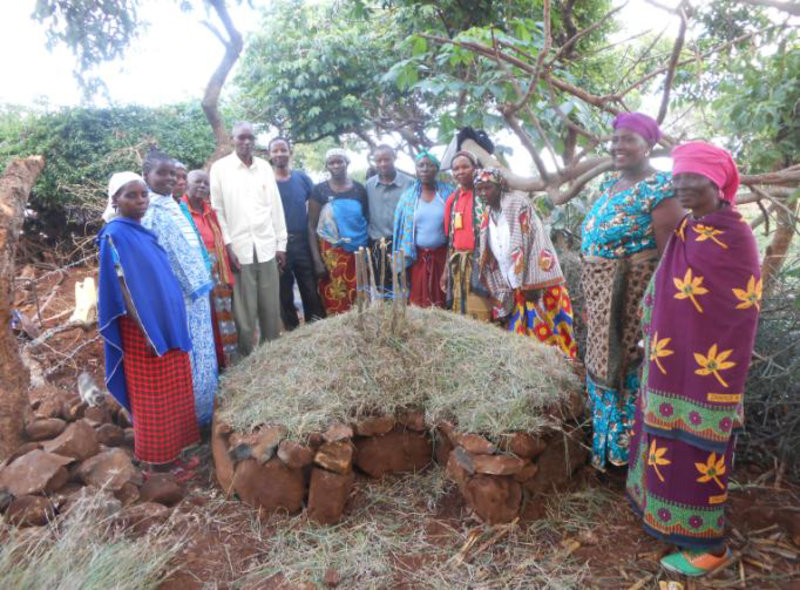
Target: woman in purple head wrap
x,y
624,233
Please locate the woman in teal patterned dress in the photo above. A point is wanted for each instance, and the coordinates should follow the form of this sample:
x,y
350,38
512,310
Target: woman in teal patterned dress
x,y
624,233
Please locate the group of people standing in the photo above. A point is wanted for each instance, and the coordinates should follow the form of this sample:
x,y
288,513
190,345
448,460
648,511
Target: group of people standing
x,y
190,273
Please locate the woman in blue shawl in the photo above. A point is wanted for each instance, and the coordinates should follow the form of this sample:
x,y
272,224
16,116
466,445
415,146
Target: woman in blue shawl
x,y
179,238
143,324
419,233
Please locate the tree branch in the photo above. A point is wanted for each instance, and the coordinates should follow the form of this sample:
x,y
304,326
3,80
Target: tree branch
x,y
790,7
673,63
233,48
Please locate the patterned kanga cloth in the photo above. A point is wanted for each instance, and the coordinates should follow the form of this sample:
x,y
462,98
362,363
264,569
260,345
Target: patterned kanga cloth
x,y
613,290
338,289
700,318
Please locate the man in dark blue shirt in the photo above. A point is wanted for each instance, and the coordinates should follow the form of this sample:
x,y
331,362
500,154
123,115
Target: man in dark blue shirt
x,y
295,188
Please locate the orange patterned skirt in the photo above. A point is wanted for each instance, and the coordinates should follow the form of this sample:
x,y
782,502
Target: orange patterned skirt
x,y
338,290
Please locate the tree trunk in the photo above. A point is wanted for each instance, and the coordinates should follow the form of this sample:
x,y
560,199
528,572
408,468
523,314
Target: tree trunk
x,y
15,185
779,246
233,48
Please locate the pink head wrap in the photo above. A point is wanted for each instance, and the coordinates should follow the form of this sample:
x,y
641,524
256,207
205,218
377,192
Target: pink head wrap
x,y
639,123
710,161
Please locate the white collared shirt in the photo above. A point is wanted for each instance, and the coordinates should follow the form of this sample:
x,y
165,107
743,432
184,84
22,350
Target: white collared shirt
x,y
249,208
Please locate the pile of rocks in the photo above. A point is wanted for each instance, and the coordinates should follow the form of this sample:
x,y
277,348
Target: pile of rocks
x,y
273,473
73,449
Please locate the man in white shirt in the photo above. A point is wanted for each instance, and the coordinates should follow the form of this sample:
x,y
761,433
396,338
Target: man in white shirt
x,y
245,196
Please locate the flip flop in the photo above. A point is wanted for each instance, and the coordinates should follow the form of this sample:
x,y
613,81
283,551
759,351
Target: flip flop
x,y
695,564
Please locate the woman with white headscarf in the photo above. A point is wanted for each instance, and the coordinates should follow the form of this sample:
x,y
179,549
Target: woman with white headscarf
x,y
338,213
143,324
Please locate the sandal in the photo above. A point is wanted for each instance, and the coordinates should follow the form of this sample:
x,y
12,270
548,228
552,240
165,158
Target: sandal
x,y
695,563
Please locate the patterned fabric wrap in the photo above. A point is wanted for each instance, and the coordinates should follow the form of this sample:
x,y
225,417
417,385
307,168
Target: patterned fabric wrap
x,y
226,338
188,215
426,154
489,175
613,291
533,257
342,223
705,304
160,393
613,411
679,490
621,224
461,268
404,239
338,289
165,220
549,319
424,277
217,253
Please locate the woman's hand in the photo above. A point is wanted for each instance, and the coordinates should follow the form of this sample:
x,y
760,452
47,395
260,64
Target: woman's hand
x,y
233,258
533,296
443,282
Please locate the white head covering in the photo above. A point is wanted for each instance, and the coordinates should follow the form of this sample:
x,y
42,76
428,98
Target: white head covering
x,y
116,182
336,152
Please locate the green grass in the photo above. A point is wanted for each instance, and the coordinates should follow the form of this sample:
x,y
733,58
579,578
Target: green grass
x,y
477,375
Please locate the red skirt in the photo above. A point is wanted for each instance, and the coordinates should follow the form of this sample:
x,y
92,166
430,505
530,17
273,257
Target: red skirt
x,y
338,290
424,276
161,397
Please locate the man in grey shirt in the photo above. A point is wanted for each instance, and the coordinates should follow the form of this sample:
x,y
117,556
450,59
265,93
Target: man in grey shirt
x,y
383,192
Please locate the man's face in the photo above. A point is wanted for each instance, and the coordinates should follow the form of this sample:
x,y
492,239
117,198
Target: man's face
x,y
243,141
279,154
384,162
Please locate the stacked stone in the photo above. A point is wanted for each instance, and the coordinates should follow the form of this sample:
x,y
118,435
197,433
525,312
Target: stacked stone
x,y
273,473
500,480
72,446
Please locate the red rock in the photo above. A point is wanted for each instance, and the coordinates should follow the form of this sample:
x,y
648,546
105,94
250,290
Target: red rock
x,y
123,419
161,488
374,426
97,414
527,472
295,455
526,446
448,430
335,456
315,440
400,450
45,428
475,443
494,499
271,486
77,441
328,495
441,448
558,462
23,449
50,408
142,517
497,464
110,435
412,420
110,470
456,472
260,444
331,579
30,511
102,503
128,494
337,432
223,464
34,473
73,410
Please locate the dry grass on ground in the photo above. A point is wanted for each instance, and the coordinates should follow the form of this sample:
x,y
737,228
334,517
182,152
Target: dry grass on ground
x,y
482,378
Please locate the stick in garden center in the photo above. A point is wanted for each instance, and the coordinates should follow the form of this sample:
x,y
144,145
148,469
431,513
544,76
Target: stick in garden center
x,y
395,295
404,303
373,289
383,262
360,279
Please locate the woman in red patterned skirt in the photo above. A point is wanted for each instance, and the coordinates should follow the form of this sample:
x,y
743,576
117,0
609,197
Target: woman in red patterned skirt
x,y
143,323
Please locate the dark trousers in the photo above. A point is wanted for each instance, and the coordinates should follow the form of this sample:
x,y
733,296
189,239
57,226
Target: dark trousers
x,y
300,268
